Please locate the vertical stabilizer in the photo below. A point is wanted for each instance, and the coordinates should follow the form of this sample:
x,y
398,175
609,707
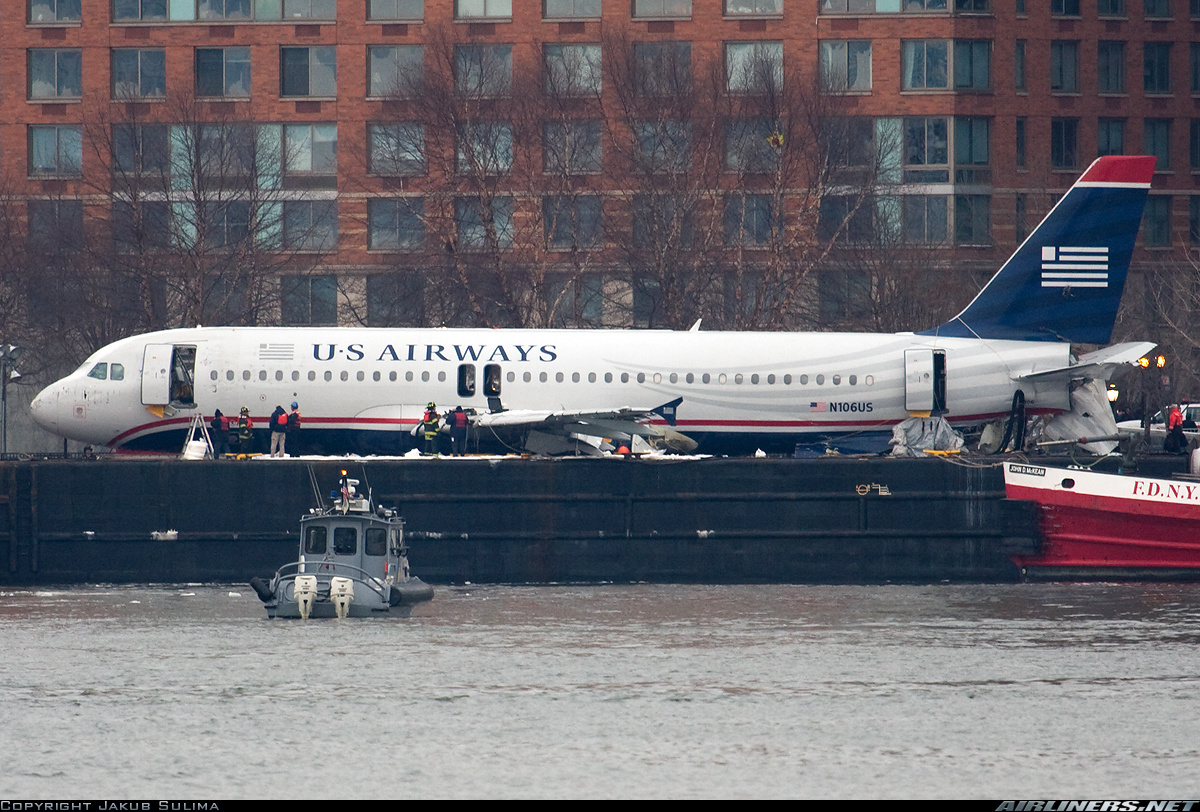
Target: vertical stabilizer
x,y
1064,282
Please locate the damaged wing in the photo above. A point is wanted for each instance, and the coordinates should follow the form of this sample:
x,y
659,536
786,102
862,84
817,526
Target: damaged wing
x,y
629,421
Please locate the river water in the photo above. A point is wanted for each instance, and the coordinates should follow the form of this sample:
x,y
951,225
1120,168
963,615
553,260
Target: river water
x,y
606,691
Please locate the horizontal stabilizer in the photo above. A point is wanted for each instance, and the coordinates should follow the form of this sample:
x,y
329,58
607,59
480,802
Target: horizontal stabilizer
x,y
1099,365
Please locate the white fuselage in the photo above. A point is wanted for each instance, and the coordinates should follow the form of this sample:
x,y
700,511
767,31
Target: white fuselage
x,y
774,384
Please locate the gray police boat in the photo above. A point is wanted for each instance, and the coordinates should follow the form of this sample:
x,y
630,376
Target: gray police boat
x,y
353,563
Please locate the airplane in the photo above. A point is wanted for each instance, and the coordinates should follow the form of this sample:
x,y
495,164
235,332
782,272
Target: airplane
x,y
365,389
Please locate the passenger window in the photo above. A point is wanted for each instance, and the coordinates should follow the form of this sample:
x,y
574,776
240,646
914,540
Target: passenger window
x,y
466,380
99,372
117,372
345,540
315,541
376,542
491,380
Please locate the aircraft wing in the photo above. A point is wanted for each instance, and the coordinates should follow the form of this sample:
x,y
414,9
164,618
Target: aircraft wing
x,y
1099,365
627,420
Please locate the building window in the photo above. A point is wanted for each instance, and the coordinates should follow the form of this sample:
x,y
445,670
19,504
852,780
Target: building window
x,y
572,147
750,145
972,146
222,225
223,9
1158,8
141,226
139,10
576,300
754,8
1194,144
1020,143
927,64
748,220
481,225
304,10
972,220
396,224
55,224
1111,8
43,12
1194,219
1156,221
663,68
1110,136
973,6
860,6
1195,65
1110,67
661,220
140,149
662,8
139,73
310,149
396,148
55,151
850,219
1019,65
309,299
1064,8
663,146
1064,143
572,70
395,300
846,65
225,153
483,71
413,10
1157,63
395,71
484,147
310,225
482,9
972,64
55,74
754,68
308,72
223,72
1064,67
926,150
573,223
925,219
570,9
1156,141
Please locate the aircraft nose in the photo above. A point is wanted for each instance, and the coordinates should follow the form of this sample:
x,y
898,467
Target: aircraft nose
x,y
47,408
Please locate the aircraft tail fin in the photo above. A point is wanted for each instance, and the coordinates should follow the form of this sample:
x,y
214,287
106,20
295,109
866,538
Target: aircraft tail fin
x,y
1064,282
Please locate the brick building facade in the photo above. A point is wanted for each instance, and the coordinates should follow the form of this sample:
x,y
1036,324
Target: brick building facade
x,y
991,109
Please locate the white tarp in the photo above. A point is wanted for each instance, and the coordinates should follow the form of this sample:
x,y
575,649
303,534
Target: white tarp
x,y
911,437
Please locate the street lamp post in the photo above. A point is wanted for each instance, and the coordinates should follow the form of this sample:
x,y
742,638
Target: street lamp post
x,y
9,355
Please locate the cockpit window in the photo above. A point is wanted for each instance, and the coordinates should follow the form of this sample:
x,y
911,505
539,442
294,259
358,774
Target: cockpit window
x,y
117,373
99,372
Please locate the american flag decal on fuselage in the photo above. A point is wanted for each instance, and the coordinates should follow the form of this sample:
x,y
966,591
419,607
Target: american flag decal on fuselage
x,y
1074,267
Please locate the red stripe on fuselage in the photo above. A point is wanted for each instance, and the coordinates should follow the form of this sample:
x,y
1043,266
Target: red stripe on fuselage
x,y
261,423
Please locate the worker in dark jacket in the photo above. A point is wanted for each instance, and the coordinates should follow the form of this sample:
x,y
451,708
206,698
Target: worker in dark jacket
x,y
458,431
278,431
293,424
218,430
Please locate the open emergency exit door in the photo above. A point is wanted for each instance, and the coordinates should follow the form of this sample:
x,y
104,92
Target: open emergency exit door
x,y
168,375
925,381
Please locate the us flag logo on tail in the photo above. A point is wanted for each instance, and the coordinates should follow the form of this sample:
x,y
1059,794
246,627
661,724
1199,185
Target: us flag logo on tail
x,y
1074,267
